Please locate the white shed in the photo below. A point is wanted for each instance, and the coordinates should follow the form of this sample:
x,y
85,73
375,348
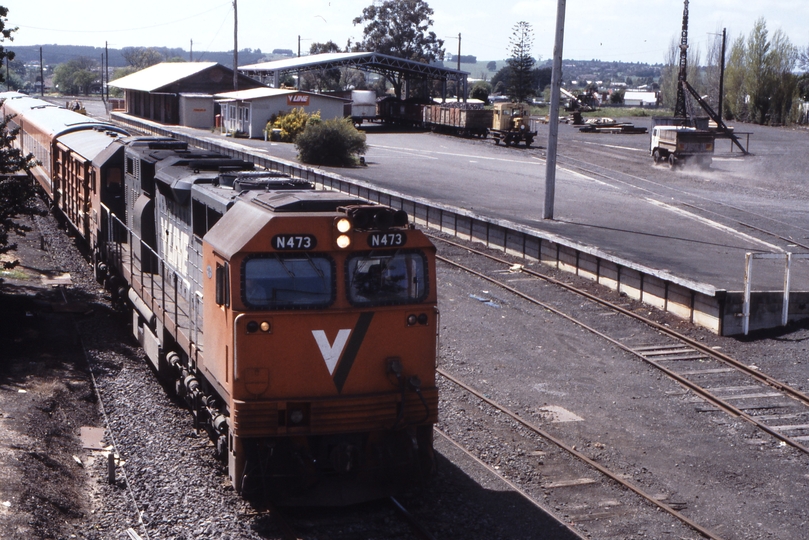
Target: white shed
x,y
248,111
197,110
634,98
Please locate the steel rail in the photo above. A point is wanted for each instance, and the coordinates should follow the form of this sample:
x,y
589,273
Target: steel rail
x,y
417,527
705,394
721,357
97,391
579,455
494,472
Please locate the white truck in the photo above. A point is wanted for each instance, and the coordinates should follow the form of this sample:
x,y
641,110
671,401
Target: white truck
x,y
678,145
363,106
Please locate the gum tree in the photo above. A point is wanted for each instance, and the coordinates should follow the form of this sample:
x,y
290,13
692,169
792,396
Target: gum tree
x,y
16,189
400,28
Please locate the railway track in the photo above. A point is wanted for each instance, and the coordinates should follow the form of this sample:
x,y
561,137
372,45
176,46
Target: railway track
x,y
722,382
602,498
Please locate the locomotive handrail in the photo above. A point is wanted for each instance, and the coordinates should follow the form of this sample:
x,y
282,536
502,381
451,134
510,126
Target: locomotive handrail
x,y
169,277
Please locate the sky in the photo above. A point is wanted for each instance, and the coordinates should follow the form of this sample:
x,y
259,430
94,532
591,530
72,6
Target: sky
x,y
625,30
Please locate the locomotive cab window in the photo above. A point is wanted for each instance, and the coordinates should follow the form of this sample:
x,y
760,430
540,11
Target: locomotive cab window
x,y
387,278
288,281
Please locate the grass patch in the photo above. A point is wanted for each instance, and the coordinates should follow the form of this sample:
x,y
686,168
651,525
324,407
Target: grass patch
x,y
627,112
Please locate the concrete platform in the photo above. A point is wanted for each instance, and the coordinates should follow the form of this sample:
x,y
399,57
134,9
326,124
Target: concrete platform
x,y
657,235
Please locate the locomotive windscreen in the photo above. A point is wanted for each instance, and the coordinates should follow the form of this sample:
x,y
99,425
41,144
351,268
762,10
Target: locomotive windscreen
x,y
285,282
376,279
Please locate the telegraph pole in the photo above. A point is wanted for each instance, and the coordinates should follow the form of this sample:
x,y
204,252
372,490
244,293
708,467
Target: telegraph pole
x,y
106,90
235,47
553,116
459,51
722,73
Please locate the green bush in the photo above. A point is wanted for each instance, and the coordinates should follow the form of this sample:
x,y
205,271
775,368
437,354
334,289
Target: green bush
x,y
331,142
292,124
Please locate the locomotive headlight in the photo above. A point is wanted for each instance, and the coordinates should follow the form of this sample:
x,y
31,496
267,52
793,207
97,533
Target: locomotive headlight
x,y
411,320
343,225
295,416
343,241
264,326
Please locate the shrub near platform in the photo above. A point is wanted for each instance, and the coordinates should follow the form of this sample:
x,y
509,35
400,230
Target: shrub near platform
x,y
331,142
292,123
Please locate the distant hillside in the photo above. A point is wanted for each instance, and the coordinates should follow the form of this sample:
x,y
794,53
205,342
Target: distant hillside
x,y
573,70
53,55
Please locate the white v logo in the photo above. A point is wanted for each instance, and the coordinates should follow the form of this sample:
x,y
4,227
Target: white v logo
x,y
331,352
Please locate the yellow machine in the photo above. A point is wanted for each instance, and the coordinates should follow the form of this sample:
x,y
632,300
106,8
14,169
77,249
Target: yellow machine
x,y
511,124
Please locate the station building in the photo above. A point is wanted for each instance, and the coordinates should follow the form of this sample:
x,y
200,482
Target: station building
x,y
246,112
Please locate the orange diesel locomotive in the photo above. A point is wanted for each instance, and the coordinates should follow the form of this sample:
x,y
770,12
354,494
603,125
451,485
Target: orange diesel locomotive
x,y
299,325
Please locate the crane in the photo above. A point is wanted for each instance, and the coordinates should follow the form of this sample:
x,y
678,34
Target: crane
x,y
680,110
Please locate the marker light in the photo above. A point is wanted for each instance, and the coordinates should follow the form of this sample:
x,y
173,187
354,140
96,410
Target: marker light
x,y
265,326
343,241
343,225
296,416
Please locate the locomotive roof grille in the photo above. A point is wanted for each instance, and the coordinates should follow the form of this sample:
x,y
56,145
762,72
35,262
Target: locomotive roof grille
x,y
270,184
305,201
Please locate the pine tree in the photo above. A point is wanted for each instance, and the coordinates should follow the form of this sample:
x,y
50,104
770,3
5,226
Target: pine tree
x,y
521,62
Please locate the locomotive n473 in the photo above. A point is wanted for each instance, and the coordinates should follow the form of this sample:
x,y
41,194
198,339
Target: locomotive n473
x,y
299,325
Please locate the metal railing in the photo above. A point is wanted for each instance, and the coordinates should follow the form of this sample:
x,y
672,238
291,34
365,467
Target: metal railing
x,y
748,282
172,292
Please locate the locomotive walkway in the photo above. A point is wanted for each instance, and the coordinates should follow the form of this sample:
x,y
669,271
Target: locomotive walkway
x,y
645,247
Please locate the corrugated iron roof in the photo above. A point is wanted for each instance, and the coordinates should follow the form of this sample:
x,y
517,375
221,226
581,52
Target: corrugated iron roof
x,y
88,143
303,61
160,75
256,93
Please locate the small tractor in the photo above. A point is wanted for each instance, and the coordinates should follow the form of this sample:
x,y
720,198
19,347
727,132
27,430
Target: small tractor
x,y
511,124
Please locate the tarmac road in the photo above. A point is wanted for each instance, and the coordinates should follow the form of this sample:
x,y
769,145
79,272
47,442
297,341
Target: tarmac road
x,y
695,223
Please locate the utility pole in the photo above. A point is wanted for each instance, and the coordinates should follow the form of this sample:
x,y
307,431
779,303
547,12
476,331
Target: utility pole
x,y
722,73
235,47
8,79
459,51
41,74
191,52
102,77
106,89
553,116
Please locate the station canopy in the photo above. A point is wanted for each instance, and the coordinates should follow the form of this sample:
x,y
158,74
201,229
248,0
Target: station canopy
x,y
272,72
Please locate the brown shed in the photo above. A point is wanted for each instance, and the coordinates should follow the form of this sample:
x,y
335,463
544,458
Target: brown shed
x,y
154,93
